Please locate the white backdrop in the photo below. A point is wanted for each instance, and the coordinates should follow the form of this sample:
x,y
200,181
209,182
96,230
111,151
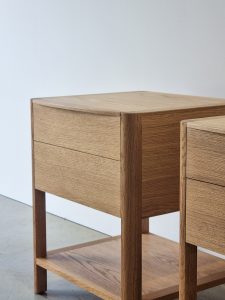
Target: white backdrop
x,y
64,47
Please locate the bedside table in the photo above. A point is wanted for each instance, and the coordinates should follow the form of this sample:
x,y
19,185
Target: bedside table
x,y
203,197
117,153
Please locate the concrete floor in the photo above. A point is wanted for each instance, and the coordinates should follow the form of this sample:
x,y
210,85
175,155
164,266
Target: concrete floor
x,y
16,261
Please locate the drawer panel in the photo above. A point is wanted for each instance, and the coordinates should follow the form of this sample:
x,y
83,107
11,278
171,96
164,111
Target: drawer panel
x,y
206,156
205,211
90,133
87,179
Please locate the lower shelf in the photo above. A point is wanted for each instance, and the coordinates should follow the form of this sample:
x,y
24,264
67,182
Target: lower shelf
x,y
95,266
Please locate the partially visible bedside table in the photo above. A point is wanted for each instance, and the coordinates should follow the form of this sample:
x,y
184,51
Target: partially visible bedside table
x,y
202,197
117,153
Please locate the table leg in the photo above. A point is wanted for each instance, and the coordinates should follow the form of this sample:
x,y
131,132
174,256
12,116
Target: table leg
x,y
188,274
145,225
39,217
188,252
131,208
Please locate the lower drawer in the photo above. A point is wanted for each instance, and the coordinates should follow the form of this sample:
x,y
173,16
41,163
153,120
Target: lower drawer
x,y
87,179
205,211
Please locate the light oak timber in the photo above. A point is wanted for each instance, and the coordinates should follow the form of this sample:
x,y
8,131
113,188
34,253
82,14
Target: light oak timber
x,y
161,152
131,207
160,163
202,195
160,169
40,274
205,224
129,102
39,226
119,153
99,135
206,156
61,171
188,252
97,268
213,124
82,245
145,225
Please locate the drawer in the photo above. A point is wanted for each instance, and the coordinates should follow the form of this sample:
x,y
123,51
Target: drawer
x,y
206,156
205,211
90,133
87,179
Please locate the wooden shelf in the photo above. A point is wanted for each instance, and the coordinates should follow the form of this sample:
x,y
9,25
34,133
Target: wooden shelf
x,y
95,266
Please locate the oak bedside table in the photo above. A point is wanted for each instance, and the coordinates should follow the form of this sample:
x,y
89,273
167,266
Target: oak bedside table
x,y
202,198
117,153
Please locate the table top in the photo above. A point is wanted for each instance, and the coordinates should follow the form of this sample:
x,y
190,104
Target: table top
x,y
212,124
129,102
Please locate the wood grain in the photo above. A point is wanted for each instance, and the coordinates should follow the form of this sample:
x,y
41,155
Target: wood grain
x,y
145,225
129,102
118,153
160,169
131,208
213,124
205,215
188,252
188,290
83,245
87,179
39,226
99,135
206,156
97,268
161,151
40,251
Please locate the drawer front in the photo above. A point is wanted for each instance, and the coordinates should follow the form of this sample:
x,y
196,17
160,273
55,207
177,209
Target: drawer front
x,y
90,133
87,179
205,211
206,156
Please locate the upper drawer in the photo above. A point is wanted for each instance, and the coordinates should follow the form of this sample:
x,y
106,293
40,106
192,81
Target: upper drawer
x,y
206,156
91,133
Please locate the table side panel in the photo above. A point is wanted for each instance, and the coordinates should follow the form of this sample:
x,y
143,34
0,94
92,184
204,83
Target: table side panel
x,y
161,158
206,156
90,133
87,179
160,169
205,210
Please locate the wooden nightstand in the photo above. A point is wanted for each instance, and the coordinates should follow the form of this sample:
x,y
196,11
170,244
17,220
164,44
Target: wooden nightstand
x,y
203,196
117,153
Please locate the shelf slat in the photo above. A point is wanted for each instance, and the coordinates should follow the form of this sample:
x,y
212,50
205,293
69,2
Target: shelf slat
x,y
95,266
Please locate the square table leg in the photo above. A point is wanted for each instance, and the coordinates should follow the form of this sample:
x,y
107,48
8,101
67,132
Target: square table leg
x,y
39,217
131,208
188,279
145,225
188,252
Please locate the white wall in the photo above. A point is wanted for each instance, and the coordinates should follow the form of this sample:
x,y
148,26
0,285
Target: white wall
x,y
64,47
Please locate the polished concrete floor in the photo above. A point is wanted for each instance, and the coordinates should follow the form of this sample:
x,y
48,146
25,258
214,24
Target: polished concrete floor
x,y
16,274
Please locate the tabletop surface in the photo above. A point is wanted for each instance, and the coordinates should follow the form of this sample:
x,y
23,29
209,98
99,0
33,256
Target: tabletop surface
x,y
129,102
212,124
